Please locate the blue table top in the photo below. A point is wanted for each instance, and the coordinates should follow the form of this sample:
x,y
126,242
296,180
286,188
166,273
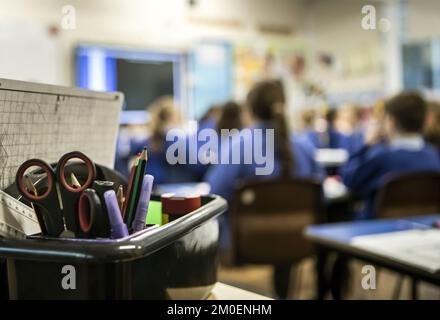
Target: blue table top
x,y
344,232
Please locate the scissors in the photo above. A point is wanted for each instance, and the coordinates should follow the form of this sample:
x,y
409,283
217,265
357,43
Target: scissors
x,y
57,204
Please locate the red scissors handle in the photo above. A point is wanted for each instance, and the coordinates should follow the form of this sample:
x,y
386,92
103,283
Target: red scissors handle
x,y
91,171
21,185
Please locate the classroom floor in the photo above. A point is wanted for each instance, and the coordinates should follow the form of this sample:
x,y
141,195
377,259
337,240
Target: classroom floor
x,y
258,279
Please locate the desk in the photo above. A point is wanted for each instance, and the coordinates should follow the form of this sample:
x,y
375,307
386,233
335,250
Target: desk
x,y
331,157
223,291
338,237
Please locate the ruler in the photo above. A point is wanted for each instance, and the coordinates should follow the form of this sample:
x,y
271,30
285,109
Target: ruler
x,y
17,220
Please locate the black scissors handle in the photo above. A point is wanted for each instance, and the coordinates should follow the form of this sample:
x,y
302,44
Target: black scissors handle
x,y
90,213
46,203
69,194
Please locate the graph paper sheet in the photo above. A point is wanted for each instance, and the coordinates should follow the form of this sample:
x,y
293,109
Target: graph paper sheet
x,y
42,121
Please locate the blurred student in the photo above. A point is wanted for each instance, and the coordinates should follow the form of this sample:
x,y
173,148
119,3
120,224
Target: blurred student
x,y
348,119
307,120
349,125
164,115
323,134
432,127
291,159
210,118
229,118
396,147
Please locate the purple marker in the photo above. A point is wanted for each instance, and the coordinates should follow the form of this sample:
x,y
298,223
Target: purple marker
x,y
117,225
142,206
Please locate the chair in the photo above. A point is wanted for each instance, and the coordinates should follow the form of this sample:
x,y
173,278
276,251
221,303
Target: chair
x,y
406,195
267,222
409,194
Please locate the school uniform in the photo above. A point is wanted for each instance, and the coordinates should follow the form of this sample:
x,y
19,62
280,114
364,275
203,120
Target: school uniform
x,y
330,139
207,124
366,169
434,140
352,142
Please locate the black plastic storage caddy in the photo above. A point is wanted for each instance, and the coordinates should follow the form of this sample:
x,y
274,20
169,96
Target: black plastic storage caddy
x,y
174,261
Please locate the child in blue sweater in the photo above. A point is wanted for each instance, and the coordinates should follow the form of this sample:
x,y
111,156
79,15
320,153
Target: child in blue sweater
x,y
399,148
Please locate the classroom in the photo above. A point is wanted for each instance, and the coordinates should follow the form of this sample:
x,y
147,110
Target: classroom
x,y
239,150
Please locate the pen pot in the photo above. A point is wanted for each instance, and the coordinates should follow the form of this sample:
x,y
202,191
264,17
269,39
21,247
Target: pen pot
x,y
178,260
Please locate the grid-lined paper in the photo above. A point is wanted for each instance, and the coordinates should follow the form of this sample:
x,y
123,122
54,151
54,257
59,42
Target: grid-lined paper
x,y
38,121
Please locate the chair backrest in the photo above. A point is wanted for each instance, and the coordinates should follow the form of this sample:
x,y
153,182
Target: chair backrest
x,y
409,194
268,218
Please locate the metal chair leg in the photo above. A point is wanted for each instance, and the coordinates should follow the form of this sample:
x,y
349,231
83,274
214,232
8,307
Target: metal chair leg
x,y
281,280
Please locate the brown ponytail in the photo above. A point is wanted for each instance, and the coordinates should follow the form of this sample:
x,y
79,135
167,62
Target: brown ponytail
x,y
163,114
266,101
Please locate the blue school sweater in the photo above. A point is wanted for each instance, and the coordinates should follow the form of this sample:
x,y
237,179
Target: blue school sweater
x,y
352,142
366,169
330,139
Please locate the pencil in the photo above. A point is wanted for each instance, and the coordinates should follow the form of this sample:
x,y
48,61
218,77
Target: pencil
x,y
29,185
130,185
120,196
75,182
136,189
31,188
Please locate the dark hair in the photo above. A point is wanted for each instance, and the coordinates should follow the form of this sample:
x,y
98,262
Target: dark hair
x,y
408,109
266,101
230,116
330,116
162,111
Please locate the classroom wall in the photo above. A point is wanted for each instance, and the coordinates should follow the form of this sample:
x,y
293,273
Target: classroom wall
x,y
371,56
423,19
328,26
160,24
334,27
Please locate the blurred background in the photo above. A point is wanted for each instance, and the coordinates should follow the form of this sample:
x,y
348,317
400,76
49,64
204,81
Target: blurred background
x,y
178,61
205,52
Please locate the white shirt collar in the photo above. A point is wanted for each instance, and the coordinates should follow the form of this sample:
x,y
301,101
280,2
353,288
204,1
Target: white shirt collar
x,y
413,142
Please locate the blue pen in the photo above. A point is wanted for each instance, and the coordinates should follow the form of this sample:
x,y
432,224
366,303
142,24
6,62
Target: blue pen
x,y
142,206
118,227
